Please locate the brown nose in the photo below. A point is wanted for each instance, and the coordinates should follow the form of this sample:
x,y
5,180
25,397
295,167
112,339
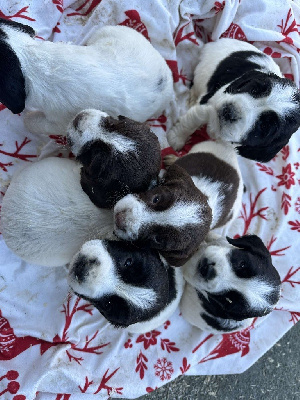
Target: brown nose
x,y
120,220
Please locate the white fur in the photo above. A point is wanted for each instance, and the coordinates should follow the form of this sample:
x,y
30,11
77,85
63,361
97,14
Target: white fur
x,y
248,107
46,216
138,215
166,313
117,71
90,126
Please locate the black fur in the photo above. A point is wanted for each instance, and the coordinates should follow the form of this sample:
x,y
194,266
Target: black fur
x,y
137,267
12,81
107,175
229,69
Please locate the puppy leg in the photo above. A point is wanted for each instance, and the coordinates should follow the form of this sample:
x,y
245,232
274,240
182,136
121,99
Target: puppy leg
x,y
169,160
187,124
36,122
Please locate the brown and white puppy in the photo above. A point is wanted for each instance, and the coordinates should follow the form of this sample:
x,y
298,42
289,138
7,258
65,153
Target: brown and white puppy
x,y
199,192
118,156
132,288
228,283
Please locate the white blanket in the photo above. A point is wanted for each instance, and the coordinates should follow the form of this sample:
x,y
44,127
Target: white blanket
x,y
58,347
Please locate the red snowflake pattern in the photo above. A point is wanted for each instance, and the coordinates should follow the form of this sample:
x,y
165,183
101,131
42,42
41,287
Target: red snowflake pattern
x,y
295,225
185,366
164,369
287,177
286,30
285,203
149,339
270,52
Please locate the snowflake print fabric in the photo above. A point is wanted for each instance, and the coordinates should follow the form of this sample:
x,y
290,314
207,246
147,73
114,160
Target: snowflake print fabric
x,y
55,346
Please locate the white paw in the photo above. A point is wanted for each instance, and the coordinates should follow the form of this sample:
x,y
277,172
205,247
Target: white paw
x,y
169,159
175,140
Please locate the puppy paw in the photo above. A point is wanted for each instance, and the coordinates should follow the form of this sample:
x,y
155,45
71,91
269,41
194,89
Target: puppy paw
x,y
169,160
175,140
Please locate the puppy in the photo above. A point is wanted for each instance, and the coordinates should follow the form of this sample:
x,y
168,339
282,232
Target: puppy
x,y
46,216
229,283
118,156
118,71
240,93
199,192
132,288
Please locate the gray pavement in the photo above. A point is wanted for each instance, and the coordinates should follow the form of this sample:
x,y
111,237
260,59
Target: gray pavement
x,y
276,376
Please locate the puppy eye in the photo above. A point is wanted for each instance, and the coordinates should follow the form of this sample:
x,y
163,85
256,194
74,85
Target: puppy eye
x,y
155,199
108,306
128,263
242,265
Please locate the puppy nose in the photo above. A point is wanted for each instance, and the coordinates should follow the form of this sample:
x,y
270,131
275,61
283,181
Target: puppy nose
x,y
206,269
228,113
79,117
80,269
120,220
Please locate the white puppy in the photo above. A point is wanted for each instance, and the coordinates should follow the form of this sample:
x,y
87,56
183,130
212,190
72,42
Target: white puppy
x,y
240,93
46,216
118,72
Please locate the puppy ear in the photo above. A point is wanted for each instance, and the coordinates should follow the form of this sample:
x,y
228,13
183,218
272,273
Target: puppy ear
x,y
262,153
12,82
251,243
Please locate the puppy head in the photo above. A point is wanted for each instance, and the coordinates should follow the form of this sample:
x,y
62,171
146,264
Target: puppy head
x,y
126,284
12,81
234,280
258,111
119,156
173,217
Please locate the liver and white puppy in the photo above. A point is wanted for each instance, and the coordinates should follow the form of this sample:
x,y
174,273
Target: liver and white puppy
x,y
118,71
199,192
240,93
118,156
46,216
229,283
132,288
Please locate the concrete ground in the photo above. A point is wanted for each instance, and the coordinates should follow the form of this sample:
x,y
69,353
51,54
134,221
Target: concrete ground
x,y
276,376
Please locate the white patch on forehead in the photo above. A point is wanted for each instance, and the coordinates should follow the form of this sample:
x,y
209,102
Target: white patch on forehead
x,y
180,214
215,195
91,129
280,100
138,215
140,297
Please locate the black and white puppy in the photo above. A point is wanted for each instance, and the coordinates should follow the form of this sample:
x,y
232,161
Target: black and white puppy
x,y
199,192
132,288
118,71
118,156
240,93
229,283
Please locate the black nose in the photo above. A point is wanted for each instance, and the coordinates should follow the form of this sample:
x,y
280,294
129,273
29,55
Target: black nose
x,y
229,113
120,220
206,269
80,268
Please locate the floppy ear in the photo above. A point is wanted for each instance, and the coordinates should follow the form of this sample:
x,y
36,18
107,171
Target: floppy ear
x,y
176,174
262,153
252,243
12,82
